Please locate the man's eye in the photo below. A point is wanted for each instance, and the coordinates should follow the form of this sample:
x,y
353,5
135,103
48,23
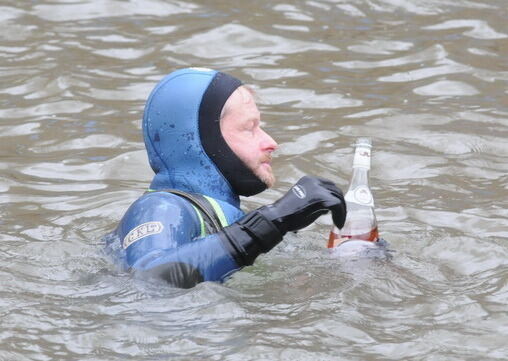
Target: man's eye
x,y
250,127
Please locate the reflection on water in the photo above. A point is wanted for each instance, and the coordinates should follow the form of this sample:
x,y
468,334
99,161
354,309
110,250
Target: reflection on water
x,y
426,80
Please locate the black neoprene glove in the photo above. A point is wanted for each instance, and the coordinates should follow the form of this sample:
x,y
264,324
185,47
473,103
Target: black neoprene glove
x,y
308,199
262,229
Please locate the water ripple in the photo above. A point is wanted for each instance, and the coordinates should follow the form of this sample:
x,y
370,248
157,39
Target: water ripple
x,y
109,8
480,29
240,41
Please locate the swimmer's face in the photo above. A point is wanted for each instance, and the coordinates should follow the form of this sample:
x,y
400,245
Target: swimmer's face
x,y
240,126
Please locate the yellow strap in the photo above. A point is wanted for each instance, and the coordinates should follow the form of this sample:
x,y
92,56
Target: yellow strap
x,y
216,207
218,210
201,221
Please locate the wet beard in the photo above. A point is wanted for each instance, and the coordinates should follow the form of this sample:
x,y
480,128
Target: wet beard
x,y
266,178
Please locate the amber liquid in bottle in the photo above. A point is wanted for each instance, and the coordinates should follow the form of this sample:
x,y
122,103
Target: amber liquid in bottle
x,y
361,223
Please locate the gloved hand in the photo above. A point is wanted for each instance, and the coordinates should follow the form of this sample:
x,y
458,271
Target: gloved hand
x,y
308,199
262,229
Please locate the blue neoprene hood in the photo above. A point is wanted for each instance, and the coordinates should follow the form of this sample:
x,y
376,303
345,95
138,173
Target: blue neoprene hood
x,y
177,110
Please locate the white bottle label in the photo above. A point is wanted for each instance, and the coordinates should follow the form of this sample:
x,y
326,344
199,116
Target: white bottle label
x,y
360,195
362,157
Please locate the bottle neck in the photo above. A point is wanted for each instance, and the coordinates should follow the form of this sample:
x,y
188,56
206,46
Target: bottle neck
x,y
361,167
359,191
360,177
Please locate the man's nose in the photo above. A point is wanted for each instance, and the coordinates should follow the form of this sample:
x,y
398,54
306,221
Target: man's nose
x,y
268,143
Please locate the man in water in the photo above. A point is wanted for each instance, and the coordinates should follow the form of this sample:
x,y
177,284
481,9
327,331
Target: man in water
x,y
204,141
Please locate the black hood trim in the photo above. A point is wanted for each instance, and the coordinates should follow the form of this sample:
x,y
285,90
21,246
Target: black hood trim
x,y
242,180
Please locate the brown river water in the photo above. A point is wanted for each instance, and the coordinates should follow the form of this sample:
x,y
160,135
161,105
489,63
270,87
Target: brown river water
x,y
425,79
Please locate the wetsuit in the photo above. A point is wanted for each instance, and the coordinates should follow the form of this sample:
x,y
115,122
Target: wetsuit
x,y
164,234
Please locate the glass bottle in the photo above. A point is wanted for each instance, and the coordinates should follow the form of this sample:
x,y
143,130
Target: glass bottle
x,y
361,223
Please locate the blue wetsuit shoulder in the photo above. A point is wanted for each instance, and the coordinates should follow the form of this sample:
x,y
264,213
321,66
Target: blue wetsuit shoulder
x,y
174,222
161,232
